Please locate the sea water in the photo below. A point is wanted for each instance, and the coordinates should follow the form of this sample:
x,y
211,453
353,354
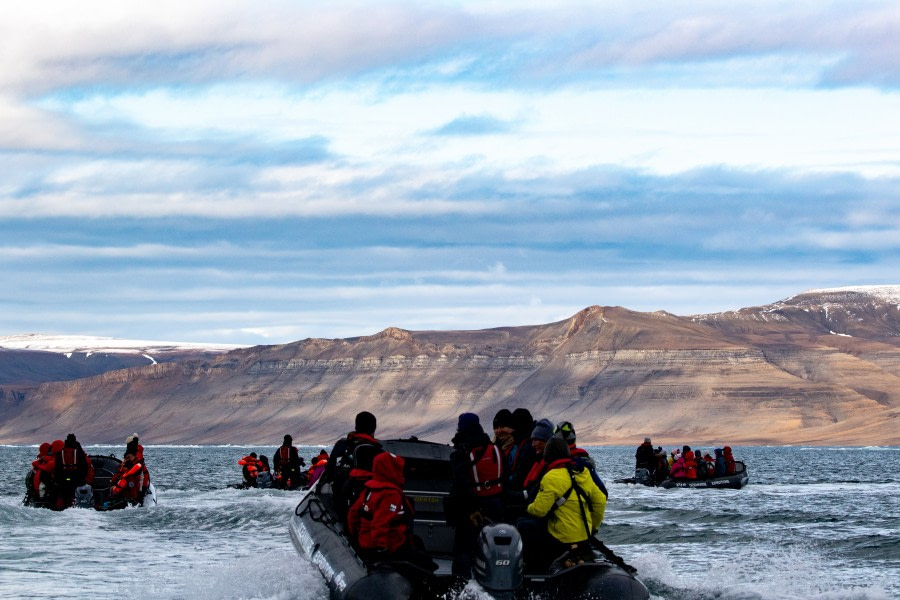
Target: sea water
x,y
821,523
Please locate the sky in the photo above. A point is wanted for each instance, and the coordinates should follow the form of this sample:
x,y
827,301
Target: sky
x,y
245,173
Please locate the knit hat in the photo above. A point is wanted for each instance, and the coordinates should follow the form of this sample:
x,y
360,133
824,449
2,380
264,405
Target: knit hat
x,y
503,418
543,429
646,440
131,438
522,420
468,422
567,431
365,423
556,448
288,439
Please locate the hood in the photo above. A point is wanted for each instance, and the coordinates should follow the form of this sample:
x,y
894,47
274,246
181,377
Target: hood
x,y
44,449
388,468
57,445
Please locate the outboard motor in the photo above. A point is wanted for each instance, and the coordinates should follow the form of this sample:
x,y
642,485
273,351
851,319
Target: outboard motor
x,y
84,496
642,476
499,567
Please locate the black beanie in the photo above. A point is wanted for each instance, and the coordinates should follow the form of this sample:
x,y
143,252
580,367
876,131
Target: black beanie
x,y
288,439
365,423
503,418
523,422
556,448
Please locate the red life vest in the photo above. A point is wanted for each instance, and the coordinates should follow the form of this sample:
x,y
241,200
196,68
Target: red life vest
x,y
487,470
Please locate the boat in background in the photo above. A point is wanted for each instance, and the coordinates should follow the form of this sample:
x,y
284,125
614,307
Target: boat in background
x,y
735,481
96,495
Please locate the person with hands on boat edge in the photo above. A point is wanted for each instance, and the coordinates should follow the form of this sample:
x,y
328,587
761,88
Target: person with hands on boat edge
x,y
250,470
286,463
72,469
131,479
476,489
381,518
350,463
572,504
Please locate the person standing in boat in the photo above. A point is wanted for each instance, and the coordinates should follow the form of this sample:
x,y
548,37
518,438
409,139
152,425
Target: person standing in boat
x,y
645,457
572,505
476,489
72,468
350,464
286,462
381,519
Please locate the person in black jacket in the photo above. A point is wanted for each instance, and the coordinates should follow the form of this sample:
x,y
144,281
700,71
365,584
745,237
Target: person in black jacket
x,y
286,463
645,457
476,489
349,465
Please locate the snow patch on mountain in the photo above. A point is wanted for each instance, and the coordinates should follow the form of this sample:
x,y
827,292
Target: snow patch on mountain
x,y
70,344
885,293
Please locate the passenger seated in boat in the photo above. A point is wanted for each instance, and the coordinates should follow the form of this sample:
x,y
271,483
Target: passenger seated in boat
x,y
522,456
678,471
350,464
131,480
476,489
699,465
264,473
532,529
690,465
318,467
729,460
710,464
572,504
662,466
43,467
580,455
720,463
381,519
250,470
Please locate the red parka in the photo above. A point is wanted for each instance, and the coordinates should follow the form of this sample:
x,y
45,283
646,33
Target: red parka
x,y
729,460
381,516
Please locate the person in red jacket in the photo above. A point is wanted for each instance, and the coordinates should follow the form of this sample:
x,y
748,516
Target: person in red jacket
x,y
690,465
381,519
72,468
729,460
131,480
251,467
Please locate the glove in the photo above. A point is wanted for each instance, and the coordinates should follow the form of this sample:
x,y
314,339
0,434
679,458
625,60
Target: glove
x,y
476,519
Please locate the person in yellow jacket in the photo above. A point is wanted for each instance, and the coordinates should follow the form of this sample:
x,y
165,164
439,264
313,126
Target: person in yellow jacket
x,y
572,503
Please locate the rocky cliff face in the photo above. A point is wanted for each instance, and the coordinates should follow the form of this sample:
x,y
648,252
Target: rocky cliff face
x,y
819,368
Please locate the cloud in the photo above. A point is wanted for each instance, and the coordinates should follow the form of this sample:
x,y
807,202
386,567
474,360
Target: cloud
x,y
473,125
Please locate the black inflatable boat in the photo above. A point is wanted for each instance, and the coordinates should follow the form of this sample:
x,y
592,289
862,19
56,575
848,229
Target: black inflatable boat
x,y
320,537
96,495
736,481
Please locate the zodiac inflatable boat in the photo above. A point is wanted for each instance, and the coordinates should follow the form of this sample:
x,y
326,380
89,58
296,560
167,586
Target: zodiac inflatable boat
x,y
320,537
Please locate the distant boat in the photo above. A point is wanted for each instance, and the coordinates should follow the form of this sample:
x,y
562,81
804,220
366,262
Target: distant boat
x,y
96,495
735,481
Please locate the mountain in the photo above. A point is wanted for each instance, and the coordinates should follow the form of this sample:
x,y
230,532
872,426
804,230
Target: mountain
x,y
822,367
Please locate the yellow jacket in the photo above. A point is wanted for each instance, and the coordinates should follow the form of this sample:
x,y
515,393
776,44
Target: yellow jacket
x,y
566,524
